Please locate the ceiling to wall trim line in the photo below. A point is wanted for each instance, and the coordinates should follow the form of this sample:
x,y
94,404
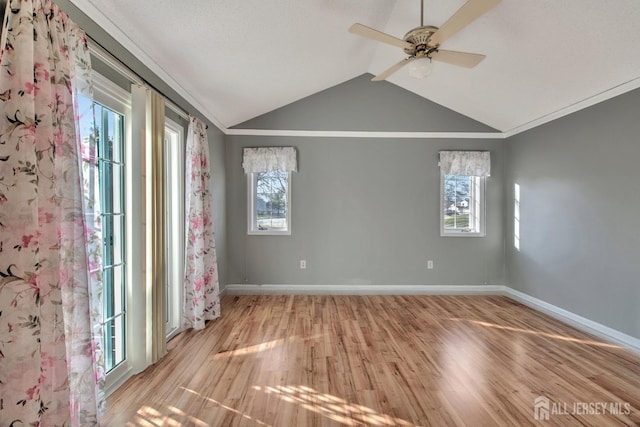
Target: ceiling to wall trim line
x,y
106,24
364,134
580,105
87,7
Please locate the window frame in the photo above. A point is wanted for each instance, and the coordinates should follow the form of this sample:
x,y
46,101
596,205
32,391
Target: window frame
x,y
251,208
175,152
117,99
478,191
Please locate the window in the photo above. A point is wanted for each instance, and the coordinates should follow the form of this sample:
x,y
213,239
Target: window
x,y
116,181
110,126
174,145
268,172
462,206
269,202
110,144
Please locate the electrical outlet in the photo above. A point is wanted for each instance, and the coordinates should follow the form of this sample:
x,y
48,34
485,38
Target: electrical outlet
x,y
303,264
430,264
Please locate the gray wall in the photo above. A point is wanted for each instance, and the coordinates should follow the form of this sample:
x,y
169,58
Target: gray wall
x,y
362,105
580,199
218,187
364,211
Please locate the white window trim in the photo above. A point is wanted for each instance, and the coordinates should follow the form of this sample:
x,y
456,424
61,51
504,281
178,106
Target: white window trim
x,y
175,271
112,96
251,208
478,193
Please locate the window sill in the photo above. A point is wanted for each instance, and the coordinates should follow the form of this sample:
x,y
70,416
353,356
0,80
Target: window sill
x,y
117,377
462,234
269,233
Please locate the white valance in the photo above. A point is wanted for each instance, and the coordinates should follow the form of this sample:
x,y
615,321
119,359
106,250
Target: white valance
x,y
267,159
465,163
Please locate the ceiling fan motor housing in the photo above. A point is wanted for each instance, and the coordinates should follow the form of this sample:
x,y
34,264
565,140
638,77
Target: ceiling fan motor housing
x,y
423,42
419,38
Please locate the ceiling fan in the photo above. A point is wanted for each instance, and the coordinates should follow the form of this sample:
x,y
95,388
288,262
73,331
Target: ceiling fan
x,y
422,44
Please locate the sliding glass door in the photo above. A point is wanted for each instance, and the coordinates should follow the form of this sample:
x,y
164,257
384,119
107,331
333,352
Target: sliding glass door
x,y
110,134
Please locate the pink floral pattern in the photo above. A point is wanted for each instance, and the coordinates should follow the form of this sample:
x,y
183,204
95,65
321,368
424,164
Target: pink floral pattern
x,y
201,287
49,352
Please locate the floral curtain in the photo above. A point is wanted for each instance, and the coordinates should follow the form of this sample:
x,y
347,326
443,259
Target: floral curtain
x,y
466,163
268,159
50,354
201,288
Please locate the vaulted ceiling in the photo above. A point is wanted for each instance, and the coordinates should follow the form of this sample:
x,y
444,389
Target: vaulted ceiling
x,y
236,60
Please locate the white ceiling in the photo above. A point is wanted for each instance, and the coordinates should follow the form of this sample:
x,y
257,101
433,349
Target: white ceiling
x,y
235,60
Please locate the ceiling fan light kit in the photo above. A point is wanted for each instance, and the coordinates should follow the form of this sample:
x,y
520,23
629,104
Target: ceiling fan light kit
x,y
422,44
420,67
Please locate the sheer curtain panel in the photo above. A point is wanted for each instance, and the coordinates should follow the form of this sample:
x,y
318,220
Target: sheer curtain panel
x,y
50,282
465,163
201,287
268,159
156,246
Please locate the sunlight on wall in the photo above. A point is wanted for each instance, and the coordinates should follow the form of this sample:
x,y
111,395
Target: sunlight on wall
x,y
516,216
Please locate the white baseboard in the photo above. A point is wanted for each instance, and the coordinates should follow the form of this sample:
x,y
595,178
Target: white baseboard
x,y
606,333
252,289
115,383
579,322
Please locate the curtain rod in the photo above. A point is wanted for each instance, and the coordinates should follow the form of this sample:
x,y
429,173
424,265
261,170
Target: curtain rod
x,y
103,54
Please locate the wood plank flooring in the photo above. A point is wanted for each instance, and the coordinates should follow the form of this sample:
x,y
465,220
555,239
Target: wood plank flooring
x,y
382,361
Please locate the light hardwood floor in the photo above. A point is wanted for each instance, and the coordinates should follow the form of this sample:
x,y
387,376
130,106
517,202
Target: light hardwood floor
x,y
381,361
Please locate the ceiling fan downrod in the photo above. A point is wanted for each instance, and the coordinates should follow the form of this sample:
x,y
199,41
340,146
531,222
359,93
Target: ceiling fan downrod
x,y
424,41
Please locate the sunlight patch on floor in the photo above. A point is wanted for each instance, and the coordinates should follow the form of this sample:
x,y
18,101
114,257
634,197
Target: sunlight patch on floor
x,y
332,407
250,350
227,407
530,331
148,416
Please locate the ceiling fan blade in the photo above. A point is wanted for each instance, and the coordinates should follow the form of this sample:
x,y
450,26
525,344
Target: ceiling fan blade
x,y
468,13
386,73
461,59
364,31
